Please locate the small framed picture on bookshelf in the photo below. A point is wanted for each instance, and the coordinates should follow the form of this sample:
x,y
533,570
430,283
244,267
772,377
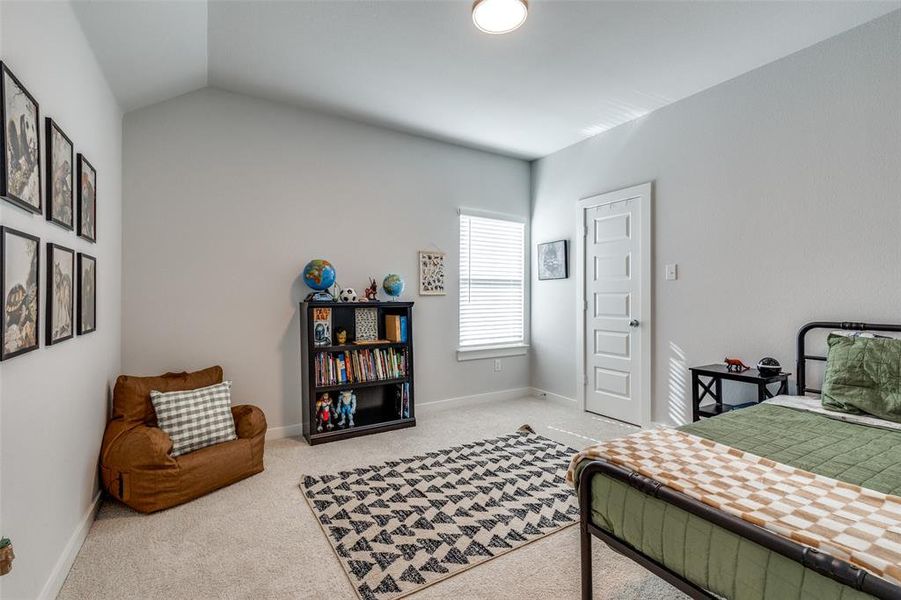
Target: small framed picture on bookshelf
x,y
322,326
366,324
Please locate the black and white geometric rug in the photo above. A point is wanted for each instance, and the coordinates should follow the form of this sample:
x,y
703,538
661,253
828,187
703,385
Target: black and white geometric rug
x,y
409,523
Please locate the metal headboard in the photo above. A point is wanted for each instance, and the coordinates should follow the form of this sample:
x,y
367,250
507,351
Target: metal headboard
x,y
803,357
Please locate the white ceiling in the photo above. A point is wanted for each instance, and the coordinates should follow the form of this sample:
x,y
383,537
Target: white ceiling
x,y
573,70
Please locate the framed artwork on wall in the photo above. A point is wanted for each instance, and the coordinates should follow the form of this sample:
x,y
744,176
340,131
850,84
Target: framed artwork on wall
x,y
431,273
60,176
20,171
87,200
553,260
60,307
20,287
87,294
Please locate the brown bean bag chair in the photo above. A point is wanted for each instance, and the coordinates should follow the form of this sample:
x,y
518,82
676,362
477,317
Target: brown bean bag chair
x,y
135,464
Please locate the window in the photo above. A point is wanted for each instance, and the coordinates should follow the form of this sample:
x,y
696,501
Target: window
x,y
492,267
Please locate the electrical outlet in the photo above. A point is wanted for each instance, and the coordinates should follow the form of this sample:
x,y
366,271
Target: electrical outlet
x,y
497,364
672,272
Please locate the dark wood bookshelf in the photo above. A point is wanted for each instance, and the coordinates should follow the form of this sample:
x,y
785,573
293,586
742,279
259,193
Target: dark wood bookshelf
x,y
377,404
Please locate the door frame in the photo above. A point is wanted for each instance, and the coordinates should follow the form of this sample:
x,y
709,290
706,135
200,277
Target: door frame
x,y
643,191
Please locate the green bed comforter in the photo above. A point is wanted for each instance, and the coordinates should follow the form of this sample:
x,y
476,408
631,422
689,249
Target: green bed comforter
x,y
725,563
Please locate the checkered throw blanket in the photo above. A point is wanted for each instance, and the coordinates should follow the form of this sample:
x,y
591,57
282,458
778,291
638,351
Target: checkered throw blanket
x,y
846,521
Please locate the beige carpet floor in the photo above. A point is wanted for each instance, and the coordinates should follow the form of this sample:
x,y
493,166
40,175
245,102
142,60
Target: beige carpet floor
x,y
258,538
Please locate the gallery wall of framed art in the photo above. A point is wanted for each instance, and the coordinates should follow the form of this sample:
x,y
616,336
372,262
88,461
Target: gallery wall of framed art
x,y
60,185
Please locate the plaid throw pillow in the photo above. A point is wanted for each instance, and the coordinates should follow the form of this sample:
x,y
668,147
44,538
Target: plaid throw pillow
x,y
197,418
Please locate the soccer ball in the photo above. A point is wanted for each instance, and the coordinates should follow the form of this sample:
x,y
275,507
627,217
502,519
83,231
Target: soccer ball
x,y
348,295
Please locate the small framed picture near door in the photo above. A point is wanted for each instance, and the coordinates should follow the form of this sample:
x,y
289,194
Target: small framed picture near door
x,y
87,293
20,171
60,306
20,283
87,200
553,260
60,177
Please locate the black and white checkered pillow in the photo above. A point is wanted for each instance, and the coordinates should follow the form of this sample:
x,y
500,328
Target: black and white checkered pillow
x,y
197,418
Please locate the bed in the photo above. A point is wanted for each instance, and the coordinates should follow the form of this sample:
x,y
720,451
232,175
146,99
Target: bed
x,y
710,553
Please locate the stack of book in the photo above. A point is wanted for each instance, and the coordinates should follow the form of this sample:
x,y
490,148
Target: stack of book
x,y
396,328
360,366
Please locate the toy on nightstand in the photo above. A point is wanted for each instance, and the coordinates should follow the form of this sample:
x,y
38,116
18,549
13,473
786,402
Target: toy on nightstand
x,y
324,412
347,407
734,365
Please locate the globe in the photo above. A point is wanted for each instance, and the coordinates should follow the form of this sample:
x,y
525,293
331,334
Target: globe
x,y
319,274
393,285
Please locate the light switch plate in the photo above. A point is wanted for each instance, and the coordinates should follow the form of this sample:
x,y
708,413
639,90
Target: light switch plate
x,y
672,272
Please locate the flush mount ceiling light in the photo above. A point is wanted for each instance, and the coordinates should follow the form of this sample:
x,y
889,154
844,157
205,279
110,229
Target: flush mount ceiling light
x,y
499,16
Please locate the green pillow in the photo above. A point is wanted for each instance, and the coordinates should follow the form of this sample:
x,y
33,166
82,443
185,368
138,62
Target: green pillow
x,y
863,375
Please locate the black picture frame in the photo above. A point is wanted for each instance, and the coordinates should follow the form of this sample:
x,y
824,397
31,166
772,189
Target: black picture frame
x,y
84,163
52,128
560,270
5,310
83,326
5,192
52,250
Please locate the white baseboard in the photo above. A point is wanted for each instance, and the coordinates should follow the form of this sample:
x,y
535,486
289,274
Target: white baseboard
x,y
539,393
510,394
67,558
277,433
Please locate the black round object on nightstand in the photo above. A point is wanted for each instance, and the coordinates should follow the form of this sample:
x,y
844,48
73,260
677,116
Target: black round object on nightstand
x,y
769,366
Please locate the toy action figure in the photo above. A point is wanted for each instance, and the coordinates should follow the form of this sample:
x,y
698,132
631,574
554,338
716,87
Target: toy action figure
x,y
347,406
370,292
324,413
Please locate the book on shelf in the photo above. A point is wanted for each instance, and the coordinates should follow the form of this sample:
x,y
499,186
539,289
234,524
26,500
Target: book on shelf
x,y
360,366
402,404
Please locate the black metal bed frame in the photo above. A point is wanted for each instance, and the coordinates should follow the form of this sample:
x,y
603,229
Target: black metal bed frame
x,y
833,568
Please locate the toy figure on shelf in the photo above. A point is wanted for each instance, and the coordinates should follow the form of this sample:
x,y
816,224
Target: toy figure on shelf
x,y
734,365
324,413
347,407
341,336
370,292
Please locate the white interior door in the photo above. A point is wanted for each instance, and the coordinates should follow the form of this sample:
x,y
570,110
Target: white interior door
x,y
615,344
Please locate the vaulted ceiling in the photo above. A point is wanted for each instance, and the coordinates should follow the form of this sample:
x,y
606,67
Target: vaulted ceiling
x,y
573,70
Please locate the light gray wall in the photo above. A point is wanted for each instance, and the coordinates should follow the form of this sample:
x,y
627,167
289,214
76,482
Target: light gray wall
x,y
53,401
777,193
227,197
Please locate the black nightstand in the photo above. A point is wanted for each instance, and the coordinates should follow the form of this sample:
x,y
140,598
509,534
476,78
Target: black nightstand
x,y
715,374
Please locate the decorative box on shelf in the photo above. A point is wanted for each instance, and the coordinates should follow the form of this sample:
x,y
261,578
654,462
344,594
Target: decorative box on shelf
x,y
357,368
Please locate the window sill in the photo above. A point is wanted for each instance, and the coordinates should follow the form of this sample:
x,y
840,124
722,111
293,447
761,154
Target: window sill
x,y
483,352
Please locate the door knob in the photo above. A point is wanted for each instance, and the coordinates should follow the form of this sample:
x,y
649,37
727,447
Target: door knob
x,y
633,323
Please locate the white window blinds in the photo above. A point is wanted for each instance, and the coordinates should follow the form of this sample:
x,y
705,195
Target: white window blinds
x,y
492,266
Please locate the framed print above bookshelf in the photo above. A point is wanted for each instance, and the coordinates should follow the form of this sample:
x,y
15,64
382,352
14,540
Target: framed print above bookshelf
x,y
60,177
87,200
20,271
20,167
87,294
60,306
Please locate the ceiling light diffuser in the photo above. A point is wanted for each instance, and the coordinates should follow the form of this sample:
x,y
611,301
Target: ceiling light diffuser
x,y
499,16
